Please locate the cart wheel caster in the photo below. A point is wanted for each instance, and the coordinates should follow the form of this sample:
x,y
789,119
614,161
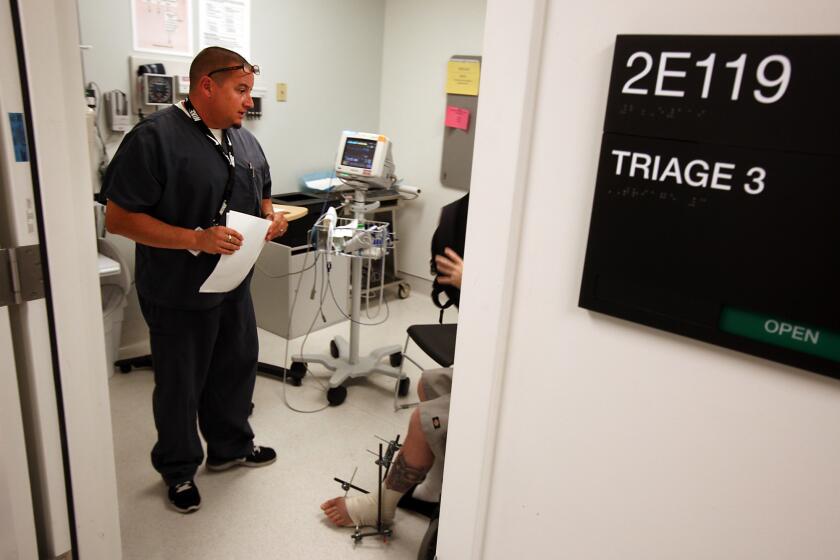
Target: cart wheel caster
x,y
396,359
404,385
125,368
333,349
296,373
403,290
336,396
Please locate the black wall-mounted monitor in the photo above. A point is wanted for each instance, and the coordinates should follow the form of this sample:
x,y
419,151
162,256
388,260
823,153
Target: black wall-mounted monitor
x,y
717,205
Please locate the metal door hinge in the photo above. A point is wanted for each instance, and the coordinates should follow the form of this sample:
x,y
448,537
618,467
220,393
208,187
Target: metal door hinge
x,y
21,275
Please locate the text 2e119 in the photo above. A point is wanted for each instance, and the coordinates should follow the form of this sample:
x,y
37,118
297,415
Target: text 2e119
x,y
772,73
762,92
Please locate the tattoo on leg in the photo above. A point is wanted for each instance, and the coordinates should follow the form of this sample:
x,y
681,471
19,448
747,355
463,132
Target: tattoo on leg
x,y
402,476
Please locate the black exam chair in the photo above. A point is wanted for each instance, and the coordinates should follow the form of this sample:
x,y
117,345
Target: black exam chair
x,y
436,340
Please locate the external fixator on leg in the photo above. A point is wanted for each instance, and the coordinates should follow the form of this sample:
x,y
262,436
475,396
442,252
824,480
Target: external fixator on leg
x,y
377,510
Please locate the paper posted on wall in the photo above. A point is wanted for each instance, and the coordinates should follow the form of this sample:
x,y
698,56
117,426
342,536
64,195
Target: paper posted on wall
x,y
232,269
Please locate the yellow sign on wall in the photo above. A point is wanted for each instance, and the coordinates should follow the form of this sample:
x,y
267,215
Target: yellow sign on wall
x,y
462,77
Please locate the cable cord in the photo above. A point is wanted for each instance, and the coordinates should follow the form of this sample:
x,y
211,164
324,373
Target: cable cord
x,y
318,312
286,350
329,190
261,269
381,289
97,102
346,316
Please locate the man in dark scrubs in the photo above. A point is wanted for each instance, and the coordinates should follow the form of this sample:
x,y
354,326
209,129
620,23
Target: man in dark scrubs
x,y
169,187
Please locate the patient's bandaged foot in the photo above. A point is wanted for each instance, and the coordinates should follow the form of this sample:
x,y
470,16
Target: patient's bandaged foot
x,y
362,510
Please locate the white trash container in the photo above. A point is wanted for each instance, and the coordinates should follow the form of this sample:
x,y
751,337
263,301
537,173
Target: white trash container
x,y
114,288
114,301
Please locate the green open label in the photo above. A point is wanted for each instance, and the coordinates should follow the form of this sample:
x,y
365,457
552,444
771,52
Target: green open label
x,y
801,337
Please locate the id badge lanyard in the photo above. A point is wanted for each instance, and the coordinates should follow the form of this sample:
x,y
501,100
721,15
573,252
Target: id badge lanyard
x,y
227,155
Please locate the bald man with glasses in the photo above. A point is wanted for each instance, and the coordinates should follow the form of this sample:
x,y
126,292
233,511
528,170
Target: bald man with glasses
x,y
169,188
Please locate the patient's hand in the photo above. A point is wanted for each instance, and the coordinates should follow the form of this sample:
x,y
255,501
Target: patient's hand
x,y
450,268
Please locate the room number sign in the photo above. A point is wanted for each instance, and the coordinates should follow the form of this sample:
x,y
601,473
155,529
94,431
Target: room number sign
x,y
757,92
716,212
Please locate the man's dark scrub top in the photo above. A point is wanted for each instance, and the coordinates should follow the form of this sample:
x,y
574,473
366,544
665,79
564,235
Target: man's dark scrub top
x,y
167,168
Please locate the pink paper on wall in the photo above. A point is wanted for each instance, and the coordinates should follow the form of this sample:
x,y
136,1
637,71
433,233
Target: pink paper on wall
x,y
457,117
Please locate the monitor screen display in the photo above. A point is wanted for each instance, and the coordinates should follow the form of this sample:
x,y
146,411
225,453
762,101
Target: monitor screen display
x,y
359,152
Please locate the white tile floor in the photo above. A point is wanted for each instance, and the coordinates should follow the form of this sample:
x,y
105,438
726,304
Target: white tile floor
x,y
273,512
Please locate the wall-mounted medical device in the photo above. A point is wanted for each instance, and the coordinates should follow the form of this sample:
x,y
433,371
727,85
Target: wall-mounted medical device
x,y
183,83
365,158
255,112
156,83
257,95
116,105
157,89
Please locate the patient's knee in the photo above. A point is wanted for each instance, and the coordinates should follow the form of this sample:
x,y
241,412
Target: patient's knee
x,y
414,421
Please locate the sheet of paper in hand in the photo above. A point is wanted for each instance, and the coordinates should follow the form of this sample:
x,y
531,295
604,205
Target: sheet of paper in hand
x,y
232,269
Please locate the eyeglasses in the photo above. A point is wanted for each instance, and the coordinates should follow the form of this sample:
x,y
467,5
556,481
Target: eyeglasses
x,y
247,68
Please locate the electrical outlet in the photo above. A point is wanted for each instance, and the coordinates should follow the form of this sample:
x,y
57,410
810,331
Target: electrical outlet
x,y
281,92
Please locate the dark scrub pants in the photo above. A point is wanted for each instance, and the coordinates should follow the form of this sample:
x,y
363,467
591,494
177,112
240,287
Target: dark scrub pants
x,y
205,364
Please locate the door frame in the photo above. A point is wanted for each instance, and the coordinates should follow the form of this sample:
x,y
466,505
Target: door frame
x,y
511,58
17,517
48,38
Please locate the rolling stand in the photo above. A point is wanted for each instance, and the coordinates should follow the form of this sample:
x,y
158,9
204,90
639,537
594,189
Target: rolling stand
x,y
293,375
344,360
382,461
126,365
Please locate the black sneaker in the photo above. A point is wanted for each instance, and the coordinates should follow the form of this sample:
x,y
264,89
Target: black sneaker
x,y
184,497
259,457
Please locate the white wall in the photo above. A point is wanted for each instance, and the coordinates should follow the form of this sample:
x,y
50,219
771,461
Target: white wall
x,y
329,54
616,441
419,39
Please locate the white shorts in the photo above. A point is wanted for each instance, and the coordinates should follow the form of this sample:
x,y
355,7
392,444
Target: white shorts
x,y
434,411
